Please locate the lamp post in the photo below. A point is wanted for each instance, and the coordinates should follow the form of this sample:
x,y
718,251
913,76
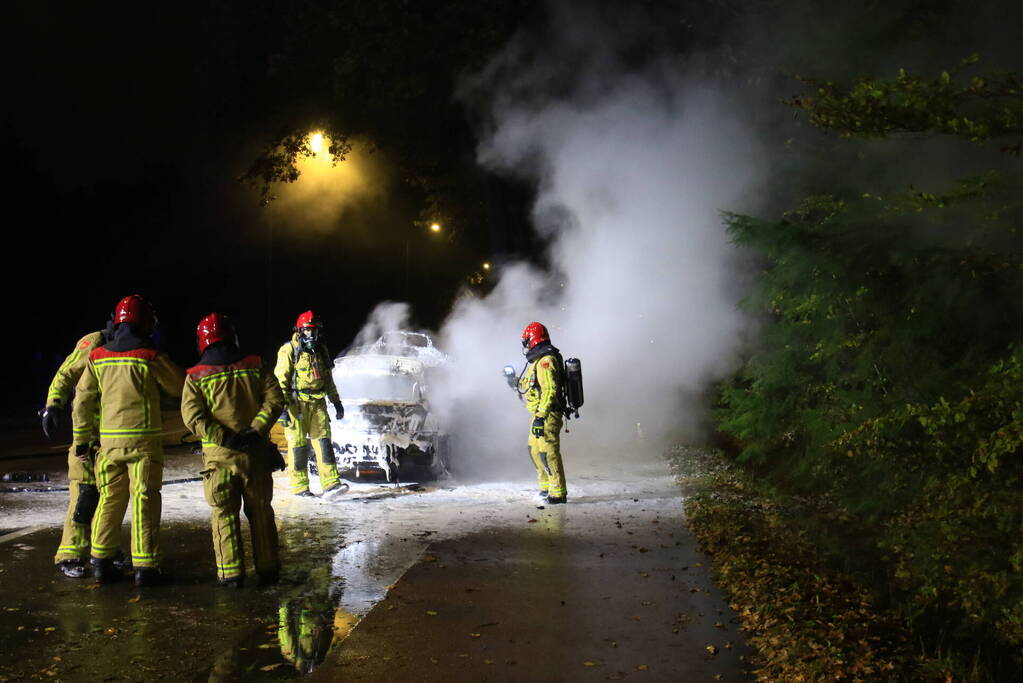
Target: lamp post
x,y
434,227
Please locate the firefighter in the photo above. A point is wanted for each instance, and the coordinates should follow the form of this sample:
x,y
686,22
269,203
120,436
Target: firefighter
x,y
541,384
230,401
118,395
304,373
74,544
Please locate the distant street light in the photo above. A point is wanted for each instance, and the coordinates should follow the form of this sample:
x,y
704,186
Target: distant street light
x,y
486,266
435,227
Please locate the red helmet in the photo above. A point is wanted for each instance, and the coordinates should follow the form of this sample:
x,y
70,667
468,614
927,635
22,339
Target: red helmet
x,y
215,328
137,311
533,335
307,319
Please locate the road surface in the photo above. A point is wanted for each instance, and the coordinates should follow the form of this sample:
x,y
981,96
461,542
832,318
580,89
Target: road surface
x,y
439,582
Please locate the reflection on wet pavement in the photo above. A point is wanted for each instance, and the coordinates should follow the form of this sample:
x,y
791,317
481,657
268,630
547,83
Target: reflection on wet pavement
x,y
340,560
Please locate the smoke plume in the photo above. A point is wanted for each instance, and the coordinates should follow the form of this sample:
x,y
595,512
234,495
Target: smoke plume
x,y
632,169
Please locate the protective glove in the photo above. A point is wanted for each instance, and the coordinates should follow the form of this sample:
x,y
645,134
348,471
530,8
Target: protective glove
x,y
538,426
229,439
247,439
82,451
51,420
285,419
339,410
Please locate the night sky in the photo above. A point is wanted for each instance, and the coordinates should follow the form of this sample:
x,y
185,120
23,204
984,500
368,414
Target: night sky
x,y
124,133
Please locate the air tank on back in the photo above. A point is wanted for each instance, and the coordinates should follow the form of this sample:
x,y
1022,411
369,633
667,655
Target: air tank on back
x,y
574,384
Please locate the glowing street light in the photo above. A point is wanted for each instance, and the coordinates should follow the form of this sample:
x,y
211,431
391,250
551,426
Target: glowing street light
x,y
486,265
435,227
317,143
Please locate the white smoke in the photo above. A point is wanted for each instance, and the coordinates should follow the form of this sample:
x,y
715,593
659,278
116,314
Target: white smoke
x,y
632,171
387,316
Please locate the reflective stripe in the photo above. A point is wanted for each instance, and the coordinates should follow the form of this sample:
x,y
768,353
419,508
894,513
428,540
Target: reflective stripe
x,y
130,432
220,376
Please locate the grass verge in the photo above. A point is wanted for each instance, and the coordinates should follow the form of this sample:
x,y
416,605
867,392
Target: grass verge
x,y
806,619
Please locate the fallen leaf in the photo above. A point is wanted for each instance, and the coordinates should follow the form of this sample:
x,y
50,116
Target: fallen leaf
x,y
643,667
136,598
431,613
271,667
713,649
589,664
474,635
488,661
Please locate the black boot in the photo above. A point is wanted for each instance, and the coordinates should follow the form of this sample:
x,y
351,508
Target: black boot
x,y
556,500
147,576
233,582
73,569
121,561
103,570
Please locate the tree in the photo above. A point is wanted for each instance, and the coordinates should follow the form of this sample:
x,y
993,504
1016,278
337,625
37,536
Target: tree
x,y
888,378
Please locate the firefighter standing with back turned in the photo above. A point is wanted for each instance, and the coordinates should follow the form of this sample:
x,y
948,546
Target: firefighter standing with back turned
x,y
541,384
304,373
74,544
230,401
120,390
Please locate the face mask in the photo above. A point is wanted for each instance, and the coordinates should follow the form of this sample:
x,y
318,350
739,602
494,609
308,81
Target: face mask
x,y
308,336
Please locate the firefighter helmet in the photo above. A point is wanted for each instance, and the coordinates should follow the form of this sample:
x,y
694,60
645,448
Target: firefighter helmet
x,y
136,311
308,328
533,335
307,319
214,328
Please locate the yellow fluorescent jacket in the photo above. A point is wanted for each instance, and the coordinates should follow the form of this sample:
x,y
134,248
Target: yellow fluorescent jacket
x,y
312,376
541,385
237,396
70,371
124,386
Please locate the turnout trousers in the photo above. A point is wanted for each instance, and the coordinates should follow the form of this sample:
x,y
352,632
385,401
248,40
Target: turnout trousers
x,y
231,487
126,475
545,452
311,427
74,543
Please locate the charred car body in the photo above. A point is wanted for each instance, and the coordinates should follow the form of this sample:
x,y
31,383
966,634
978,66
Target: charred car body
x,y
388,430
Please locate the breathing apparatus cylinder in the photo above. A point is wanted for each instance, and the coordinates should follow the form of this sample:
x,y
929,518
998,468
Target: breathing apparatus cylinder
x,y
574,384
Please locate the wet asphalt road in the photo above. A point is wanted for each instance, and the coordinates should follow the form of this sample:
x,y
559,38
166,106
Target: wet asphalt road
x,y
553,598
443,583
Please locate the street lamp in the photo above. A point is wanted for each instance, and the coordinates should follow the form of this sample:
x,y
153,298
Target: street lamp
x,y
319,144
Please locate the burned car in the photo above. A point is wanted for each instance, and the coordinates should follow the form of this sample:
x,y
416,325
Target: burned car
x,y
388,431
